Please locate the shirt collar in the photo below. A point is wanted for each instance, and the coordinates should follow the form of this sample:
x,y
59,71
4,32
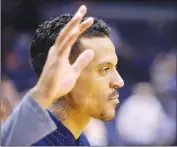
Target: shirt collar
x,y
65,134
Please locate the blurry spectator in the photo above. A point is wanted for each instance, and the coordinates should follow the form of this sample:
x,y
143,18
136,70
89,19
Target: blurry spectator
x,y
17,66
163,78
21,46
139,116
163,73
5,109
9,98
96,133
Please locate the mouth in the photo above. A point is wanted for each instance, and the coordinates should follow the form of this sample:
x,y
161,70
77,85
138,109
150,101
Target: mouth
x,y
114,97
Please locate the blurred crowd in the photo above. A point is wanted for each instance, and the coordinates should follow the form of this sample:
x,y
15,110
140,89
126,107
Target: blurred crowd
x,y
146,50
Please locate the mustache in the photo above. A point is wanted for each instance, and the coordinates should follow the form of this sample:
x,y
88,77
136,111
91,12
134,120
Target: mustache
x,y
114,93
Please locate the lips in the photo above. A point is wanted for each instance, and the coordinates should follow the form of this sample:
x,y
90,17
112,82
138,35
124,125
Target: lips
x,y
114,97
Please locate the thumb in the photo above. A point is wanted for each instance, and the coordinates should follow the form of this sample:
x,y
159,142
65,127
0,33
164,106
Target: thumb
x,y
83,60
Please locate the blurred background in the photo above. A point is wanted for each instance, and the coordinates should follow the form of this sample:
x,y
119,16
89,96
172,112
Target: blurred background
x,y
145,36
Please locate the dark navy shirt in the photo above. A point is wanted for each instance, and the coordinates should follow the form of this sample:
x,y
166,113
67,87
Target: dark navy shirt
x,y
61,137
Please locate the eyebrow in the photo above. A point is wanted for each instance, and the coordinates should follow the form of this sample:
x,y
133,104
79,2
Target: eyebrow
x,y
107,63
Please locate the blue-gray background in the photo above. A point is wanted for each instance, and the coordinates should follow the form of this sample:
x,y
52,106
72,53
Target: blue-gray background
x,y
144,34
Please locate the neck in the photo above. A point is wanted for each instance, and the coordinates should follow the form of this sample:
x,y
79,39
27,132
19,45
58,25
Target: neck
x,y
76,122
71,118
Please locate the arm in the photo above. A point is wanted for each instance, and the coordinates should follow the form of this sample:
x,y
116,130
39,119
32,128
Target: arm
x,y
30,122
27,124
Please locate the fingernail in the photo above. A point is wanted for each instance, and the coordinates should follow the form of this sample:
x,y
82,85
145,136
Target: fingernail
x,y
90,20
83,9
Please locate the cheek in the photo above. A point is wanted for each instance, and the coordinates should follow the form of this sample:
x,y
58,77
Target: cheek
x,y
90,92
100,94
101,88
82,92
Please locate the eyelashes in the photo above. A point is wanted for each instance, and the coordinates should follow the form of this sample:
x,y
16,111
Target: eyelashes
x,y
104,70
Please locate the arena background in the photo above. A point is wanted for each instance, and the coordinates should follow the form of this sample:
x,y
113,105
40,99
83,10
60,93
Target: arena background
x,y
144,34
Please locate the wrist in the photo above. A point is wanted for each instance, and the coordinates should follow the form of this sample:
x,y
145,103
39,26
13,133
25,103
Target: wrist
x,y
40,97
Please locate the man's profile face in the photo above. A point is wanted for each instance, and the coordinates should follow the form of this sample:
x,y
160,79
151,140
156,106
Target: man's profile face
x,y
98,82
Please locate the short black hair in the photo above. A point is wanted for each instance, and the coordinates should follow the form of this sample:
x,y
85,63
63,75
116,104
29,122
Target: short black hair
x,y
47,33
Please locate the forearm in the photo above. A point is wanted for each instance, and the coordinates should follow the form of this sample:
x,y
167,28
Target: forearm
x,y
28,123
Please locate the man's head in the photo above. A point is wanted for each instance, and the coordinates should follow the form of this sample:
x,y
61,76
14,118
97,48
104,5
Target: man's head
x,y
99,81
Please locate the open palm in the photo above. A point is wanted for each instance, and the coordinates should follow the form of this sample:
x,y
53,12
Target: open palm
x,y
59,76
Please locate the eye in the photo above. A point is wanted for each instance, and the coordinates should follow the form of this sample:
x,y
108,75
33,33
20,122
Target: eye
x,y
104,70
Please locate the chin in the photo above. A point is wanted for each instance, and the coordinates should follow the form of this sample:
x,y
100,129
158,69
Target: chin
x,y
107,115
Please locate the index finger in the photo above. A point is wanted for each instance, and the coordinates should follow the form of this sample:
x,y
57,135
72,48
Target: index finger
x,y
74,22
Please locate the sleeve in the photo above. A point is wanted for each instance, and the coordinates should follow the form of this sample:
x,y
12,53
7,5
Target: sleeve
x,y
28,123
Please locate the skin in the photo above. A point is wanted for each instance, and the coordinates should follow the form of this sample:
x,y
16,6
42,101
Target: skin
x,y
48,88
71,104
91,95
98,81
4,111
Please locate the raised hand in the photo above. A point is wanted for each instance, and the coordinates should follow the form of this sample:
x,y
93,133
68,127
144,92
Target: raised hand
x,y
59,76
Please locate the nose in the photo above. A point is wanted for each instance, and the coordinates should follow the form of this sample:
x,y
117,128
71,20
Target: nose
x,y
117,81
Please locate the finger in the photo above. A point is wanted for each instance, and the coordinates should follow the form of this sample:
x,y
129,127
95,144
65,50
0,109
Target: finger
x,y
83,60
86,24
71,39
66,45
71,25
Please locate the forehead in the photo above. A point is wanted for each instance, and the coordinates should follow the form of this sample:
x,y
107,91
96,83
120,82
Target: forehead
x,y
103,47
